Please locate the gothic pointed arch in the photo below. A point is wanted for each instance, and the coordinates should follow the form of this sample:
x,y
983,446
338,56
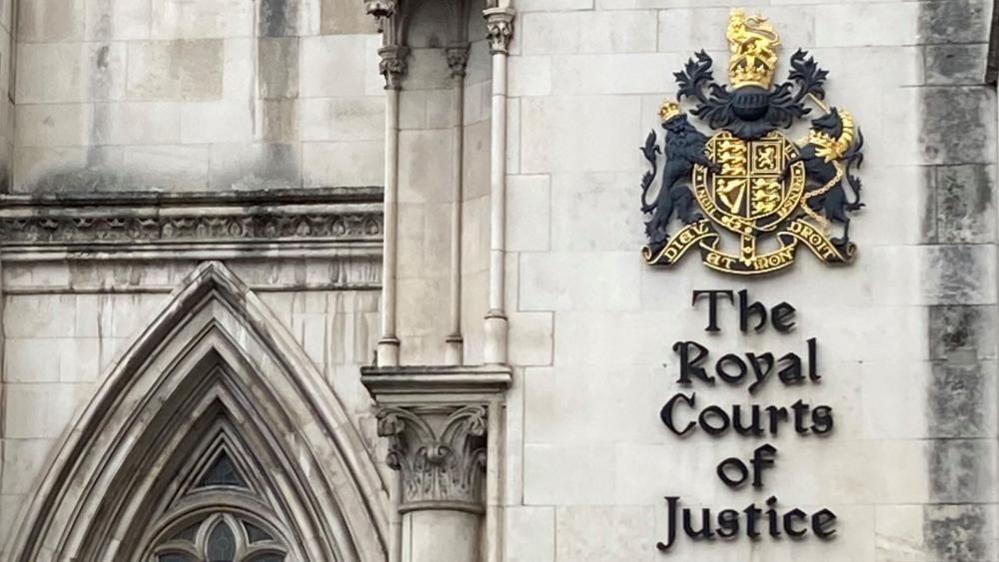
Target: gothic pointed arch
x,y
213,419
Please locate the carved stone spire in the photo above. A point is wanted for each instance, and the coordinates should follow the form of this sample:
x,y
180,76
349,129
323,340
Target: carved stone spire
x,y
499,27
457,60
441,453
393,65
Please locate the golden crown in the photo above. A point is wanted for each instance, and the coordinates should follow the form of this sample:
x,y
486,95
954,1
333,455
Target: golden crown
x,y
668,110
753,43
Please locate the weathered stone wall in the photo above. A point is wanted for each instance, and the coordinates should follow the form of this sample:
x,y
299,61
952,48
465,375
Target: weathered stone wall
x,y
428,156
906,334
177,95
958,145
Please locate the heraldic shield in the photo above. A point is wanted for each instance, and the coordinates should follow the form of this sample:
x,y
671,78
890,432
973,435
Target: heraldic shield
x,y
748,178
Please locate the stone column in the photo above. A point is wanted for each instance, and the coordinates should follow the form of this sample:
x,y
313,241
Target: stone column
x,y
440,452
457,60
392,65
499,25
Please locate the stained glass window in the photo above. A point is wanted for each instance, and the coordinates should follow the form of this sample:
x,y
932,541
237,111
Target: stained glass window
x,y
222,473
221,544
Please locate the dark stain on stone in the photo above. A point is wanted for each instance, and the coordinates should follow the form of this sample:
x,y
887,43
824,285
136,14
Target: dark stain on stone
x,y
957,127
80,180
962,331
964,204
279,120
277,68
954,64
102,57
5,178
956,408
929,218
956,533
956,275
959,471
276,166
953,22
954,127
278,18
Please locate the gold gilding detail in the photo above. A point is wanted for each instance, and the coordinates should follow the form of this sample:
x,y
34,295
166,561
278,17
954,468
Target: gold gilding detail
x,y
830,149
668,110
753,43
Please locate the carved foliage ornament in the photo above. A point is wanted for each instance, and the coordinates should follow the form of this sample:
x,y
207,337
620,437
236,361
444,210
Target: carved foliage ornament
x,y
393,65
195,228
748,178
442,469
499,27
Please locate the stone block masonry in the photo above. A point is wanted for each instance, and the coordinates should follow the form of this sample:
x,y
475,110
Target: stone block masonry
x,y
179,96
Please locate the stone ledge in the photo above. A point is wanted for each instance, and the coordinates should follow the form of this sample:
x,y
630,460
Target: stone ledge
x,y
132,225
436,383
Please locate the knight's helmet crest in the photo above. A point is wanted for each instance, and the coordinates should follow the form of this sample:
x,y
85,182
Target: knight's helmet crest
x,y
753,44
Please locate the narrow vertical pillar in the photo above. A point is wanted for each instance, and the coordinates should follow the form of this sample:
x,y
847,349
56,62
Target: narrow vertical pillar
x,y
457,60
393,68
499,26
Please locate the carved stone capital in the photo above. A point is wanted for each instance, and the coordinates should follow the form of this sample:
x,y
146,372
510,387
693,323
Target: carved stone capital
x,y
457,60
380,8
499,27
393,65
440,452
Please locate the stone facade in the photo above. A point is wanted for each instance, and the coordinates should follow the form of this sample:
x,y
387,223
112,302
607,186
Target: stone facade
x,y
379,260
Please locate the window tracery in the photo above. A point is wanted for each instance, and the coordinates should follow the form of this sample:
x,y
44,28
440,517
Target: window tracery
x,y
222,537
220,514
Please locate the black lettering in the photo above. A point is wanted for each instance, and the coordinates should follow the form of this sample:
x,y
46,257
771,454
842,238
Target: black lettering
x,y
822,420
728,523
752,517
763,457
813,360
762,365
789,519
740,468
691,367
755,427
801,410
705,419
773,522
782,317
731,359
705,531
666,414
671,502
713,297
776,416
791,373
747,310
823,523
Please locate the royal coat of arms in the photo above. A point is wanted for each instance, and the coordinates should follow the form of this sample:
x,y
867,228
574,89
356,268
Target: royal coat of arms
x,y
748,178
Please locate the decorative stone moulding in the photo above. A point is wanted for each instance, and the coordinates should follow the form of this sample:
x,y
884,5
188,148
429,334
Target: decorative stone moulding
x,y
274,223
440,468
393,65
437,421
499,27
